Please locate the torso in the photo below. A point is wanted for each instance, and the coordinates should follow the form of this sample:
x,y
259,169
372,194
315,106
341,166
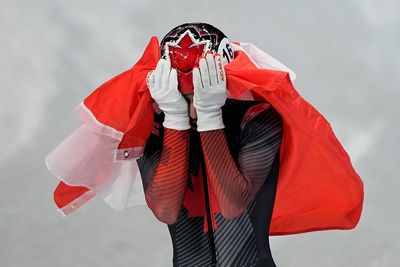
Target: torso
x,y
238,242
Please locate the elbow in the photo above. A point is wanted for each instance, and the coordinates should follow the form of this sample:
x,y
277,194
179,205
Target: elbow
x,y
167,219
165,216
235,207
231,213
163,213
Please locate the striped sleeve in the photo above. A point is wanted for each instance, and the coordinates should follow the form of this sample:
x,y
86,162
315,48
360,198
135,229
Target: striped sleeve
x,y
164,169
236,181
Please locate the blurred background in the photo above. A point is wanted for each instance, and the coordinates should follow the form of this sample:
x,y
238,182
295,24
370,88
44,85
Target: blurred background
x,y
54,53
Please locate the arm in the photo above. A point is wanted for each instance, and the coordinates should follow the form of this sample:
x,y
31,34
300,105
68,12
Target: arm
x,y
235,185
165,176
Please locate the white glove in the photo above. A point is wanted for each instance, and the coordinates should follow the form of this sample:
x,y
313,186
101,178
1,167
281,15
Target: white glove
x,y
209,93
163,86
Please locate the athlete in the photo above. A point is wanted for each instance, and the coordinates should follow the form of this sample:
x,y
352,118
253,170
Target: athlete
x,y
210,166
213,137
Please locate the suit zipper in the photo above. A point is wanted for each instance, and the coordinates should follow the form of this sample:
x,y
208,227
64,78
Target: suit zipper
x,y
209,222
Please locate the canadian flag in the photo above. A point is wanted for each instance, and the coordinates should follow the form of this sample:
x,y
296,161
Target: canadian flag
x,y
318,188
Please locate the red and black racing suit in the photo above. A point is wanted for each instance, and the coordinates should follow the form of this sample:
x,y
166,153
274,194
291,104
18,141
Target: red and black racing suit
x,y
239,164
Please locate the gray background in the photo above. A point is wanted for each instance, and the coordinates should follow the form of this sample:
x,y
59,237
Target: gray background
x,y
54,53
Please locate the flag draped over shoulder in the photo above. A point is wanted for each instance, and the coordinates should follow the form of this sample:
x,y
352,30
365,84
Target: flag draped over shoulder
x,y
318,188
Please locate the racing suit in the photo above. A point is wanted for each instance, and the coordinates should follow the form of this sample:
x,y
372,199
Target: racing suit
x,y
238,166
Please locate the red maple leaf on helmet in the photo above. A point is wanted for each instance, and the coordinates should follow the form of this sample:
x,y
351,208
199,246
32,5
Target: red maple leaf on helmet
x,y
185,54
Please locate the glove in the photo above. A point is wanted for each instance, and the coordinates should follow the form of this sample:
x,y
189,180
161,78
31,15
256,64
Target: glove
x,y
209,81
163,86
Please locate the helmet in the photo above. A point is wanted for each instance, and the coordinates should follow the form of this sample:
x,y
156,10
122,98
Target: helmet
x,y
187,43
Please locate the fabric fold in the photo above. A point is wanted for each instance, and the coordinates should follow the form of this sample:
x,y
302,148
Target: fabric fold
x,y
318,188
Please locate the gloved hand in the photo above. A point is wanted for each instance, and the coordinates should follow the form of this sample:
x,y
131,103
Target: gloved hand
x,y
209,81
163,86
